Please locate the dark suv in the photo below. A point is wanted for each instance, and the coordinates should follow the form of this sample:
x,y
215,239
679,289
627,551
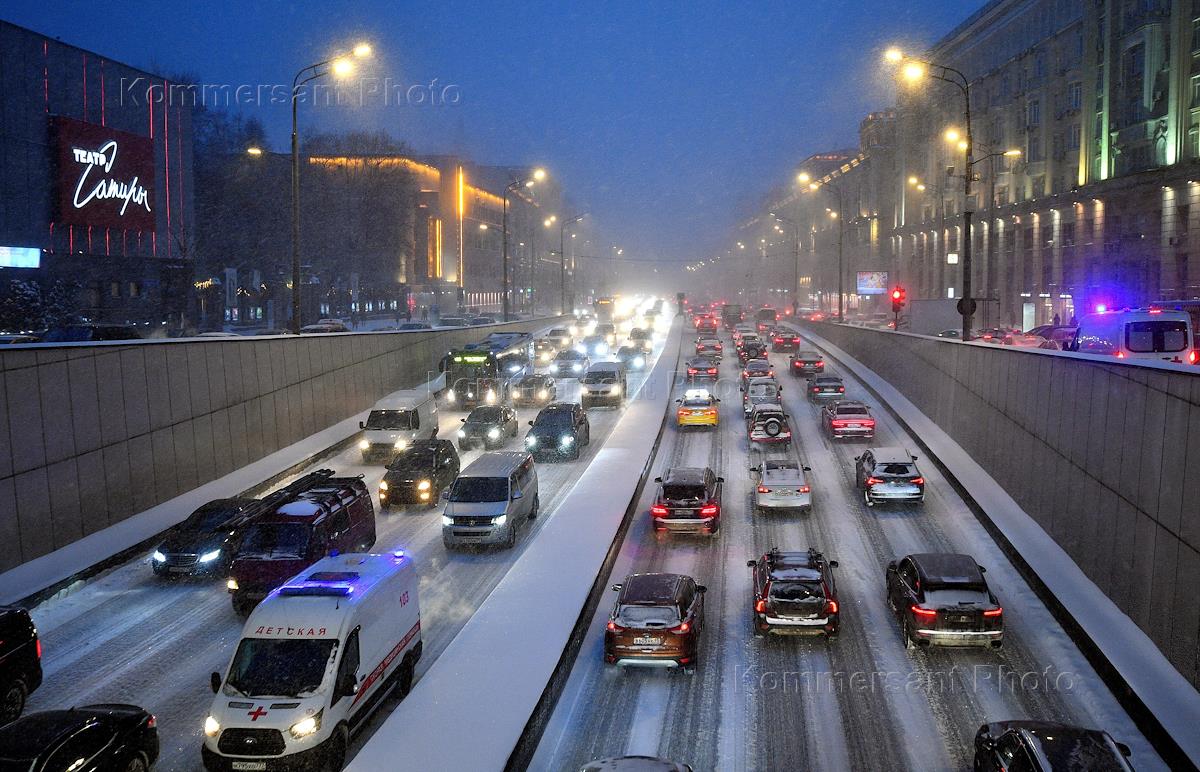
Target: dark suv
x,y
206,541
1043,745
794,593
889,475
688,500
418,474
488,426
656,620
20,661
942,599
559,431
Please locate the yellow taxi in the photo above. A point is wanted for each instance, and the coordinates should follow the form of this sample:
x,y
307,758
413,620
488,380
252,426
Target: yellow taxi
x,y
697,408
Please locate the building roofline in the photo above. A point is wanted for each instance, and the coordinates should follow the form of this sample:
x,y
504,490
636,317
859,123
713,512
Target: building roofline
x,y
103,57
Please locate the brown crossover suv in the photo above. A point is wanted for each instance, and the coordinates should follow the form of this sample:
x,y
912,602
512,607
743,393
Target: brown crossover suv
x,y
656,621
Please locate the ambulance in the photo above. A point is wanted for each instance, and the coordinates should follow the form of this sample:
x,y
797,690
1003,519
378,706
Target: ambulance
x,y
315,659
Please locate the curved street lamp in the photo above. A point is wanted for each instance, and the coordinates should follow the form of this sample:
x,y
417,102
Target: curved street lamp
x,y
526,182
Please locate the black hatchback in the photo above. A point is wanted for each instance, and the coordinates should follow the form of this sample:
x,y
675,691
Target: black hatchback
x,y
20,661
418,474
122,738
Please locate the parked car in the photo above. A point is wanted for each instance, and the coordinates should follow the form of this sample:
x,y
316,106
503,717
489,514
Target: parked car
x,y
806,363
570,363
414,326
535,390
20,662
480,321
697,407
760,391
794,593
889,475
328,325
657,619
768,425
16,339
418,474
89,333
634,764
822,388
206,541
560,430
1045,746
701,369
848,419
782,484
941,599
688,500
487,426
494,497
1062,334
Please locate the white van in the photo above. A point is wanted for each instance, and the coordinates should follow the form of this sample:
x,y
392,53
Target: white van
x,y
494,497
315,658
396,421
604,384
1154,333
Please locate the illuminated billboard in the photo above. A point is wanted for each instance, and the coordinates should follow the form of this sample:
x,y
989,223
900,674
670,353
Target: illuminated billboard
x,y
105,177
872,283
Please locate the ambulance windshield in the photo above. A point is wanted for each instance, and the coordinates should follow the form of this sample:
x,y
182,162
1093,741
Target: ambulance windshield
x,y
274,667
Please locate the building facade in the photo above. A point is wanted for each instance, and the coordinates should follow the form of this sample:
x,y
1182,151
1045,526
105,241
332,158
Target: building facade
x,y
96,181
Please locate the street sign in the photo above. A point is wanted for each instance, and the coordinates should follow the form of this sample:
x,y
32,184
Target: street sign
x,y
966,306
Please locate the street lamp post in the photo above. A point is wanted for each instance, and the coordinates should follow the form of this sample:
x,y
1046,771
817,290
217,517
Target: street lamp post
x,y
796,257
339,65
527,182
838,215
562,260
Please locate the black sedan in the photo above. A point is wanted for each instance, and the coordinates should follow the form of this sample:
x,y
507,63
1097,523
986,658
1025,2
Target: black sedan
x,y
487,426
204,543
806,363
535,390
104,737
418,474
701,369
822,388
1043,745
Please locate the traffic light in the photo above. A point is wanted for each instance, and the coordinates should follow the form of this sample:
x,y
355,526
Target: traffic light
x,y
898,296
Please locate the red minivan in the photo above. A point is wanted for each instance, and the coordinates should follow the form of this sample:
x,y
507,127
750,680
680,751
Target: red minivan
x,y
332,516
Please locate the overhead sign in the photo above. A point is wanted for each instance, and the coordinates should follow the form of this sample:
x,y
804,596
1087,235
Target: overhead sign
x,y
105,177
872,283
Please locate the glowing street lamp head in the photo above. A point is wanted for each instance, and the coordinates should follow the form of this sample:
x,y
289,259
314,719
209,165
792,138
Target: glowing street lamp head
x,y
893,55
913,180
1013,153
813,186
343,67
803,178
362,50
547,222
952,135
920,186
539,174
913,71
833,215
483,226
254,150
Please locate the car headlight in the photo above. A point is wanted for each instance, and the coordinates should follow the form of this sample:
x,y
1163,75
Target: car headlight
x,y
450,395
615,390
490,396
500,520
231,584
514,368
423,485
363,445
462,433
493,433
543,394
306,726
210,556
568,440
401,444
639,362
158,557
545,356
383,486
531,442
447,520
470,395
554,368
211,727
576,367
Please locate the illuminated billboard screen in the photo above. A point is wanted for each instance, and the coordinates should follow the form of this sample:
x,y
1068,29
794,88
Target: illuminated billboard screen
x,y
105,177
872,283
20,257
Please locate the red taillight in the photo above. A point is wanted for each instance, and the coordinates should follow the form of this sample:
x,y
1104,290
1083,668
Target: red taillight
x,y
873,481
918,481
686,627
658,511
712,371
709,509
1193,357
805,489
831,607
39,648
869,422
841,388
761,606
993,612
763,489
691,371
151,722
925,613
614,627
795,340
1120,355
816,388
838,422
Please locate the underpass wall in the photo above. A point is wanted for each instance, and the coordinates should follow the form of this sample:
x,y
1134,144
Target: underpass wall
x,y
1105,457
91,434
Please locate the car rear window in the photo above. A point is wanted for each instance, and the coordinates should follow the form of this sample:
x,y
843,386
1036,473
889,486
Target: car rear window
x,y
851,410
896,470
634,615
683,492
1157,336
796,590
953,596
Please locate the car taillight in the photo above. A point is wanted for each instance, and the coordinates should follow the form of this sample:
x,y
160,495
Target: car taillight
x,y
795,340
918,481
151,722
685,627
691,371
838,422
816,388
841,388
1193,357
763,489
39,648
869,422
709,509
712,371
873,481
614,627
658,510
926,613
761,606
820,363
805,489
831,607
993,612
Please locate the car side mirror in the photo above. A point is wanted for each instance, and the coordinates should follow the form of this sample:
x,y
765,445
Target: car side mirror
x,y
891,566
462,420
362,425
987,744
716,399
914,458
833,563
446,494
701,589
215,682
720,479
516,495
616,587
657,479
348,685
1124,750
751,563
982,570
680,401
857,458
530,423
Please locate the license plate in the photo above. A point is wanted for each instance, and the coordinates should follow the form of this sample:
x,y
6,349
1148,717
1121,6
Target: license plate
x,y
960,619
684,512
853,426
177,570
248,765
470,539
647,641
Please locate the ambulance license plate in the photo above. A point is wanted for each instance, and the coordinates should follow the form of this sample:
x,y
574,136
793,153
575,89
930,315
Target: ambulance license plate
x,y
247,765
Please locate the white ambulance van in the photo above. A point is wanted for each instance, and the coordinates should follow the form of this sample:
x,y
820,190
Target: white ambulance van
x,y
315,658
1153,334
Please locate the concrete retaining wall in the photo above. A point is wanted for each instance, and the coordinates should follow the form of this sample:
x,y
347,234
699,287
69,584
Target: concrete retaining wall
x,y
1104,456
91,434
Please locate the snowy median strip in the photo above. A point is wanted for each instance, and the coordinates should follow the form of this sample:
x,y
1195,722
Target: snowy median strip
x,y
1164,692
492,675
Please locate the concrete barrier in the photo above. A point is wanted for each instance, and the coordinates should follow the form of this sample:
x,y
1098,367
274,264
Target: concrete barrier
x,y
1103,455
91,434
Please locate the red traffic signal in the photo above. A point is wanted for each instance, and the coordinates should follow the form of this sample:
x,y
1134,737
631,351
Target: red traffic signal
x,y
898,296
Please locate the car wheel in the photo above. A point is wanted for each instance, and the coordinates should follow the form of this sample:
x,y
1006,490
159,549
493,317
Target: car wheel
x,y
906,632
335,753
755,630
136,764
405,678
12,701
511,541
537,506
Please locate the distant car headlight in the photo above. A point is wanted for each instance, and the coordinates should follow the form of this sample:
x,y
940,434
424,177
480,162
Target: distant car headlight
x,y
211,727
306,726
639,362
493,433
158,557
447,520
401,444
576,367
582,349
545,357
554,367
363,445
383,486
531,442
450,395
210,556
490,396
500,520
470,395
567,440
462,433
543,394
423,485
231,584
